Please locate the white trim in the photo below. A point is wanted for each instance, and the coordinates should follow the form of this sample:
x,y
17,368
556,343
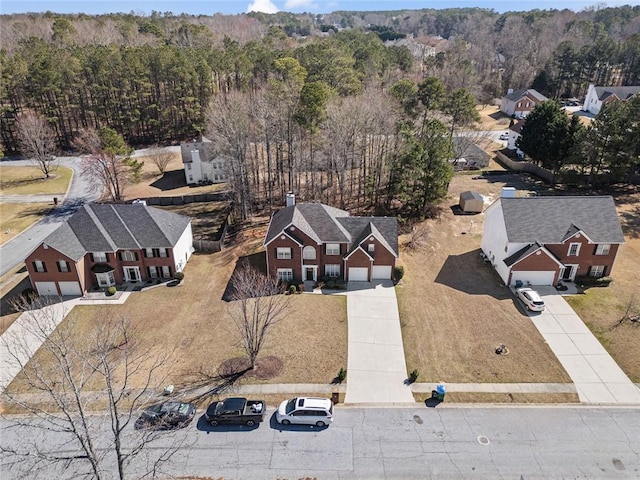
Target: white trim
x,y
539,249
603,248
280,271
572,275
577,253
127,273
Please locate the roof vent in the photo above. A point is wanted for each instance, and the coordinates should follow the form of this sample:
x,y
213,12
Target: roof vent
x,y
291,199
508,192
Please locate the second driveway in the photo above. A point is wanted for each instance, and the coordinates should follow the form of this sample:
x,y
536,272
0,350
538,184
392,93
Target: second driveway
x,y
376,366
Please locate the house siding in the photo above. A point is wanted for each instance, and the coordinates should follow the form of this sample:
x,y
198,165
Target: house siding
x,y
50,257
294,262
587,255
537,262
359,259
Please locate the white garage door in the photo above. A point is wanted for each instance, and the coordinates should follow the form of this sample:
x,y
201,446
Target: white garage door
x,y
381,272
534,278
46,288
358,274
69,288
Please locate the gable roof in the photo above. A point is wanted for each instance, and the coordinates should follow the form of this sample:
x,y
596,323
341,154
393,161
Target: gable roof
x,y
325,224
107,228
526,251
517,127
552,219
518,94
622,93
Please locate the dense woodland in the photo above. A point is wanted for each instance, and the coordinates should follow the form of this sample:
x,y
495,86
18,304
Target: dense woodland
x,y
318,104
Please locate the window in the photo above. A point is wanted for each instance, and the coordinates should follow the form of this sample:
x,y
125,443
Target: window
x,y
309,253
333,249
596,271
162,253
166,272
283,253
188,166
99,256
574,249
371,247
128,256
63,266
603,249
105,279
285,274
153,272
148,252
332,270
39,266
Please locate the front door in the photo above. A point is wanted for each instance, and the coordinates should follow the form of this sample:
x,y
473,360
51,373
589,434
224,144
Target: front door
x,y
132,274
310,274
569,272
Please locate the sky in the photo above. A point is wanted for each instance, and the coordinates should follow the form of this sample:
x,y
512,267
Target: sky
x,y
210,7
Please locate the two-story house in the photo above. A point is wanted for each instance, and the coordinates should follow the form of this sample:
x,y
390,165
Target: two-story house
x,y
309,241
599,96
102,245
201,163
519,104
543,240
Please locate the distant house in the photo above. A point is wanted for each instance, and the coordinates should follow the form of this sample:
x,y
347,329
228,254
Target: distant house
x,y
466,148
201,164
599,96
542,240
106,245
515,132
309,241
519,104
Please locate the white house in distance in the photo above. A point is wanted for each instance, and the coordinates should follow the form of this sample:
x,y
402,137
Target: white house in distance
x,y
201,164
514,133
599,96
519,104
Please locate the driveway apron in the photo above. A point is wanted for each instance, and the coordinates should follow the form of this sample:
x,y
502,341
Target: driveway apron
x,y
597,377
376,368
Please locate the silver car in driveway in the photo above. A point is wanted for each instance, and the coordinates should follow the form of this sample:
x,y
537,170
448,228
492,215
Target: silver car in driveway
x,y
531,299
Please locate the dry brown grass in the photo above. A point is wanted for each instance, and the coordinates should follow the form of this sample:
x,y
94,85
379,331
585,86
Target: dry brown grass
x,y
491,118
17,217
454,310
31,181
11,286
466,397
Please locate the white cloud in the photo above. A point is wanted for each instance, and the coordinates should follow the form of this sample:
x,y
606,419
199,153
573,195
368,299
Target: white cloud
x,y
291,4
264,6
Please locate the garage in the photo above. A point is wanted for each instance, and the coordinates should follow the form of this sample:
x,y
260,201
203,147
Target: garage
x,y
69,288
381,272
46,288
532,277
358,274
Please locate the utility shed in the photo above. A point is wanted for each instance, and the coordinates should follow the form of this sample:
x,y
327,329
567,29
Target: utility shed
x,y
471,202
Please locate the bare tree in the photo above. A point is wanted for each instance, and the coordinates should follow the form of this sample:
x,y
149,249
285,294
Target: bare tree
x,y
37,141
160,157
69,377
257,305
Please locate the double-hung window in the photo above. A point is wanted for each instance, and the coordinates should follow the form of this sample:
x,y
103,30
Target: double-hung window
x,y
603,249
574,249
333,249
39,266
285,274
63,266
283,253
99,256
332,270
128,256
596,271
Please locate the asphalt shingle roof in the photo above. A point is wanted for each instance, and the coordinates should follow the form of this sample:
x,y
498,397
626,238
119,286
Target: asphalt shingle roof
x,y
552,219
518,94
108,228
621,92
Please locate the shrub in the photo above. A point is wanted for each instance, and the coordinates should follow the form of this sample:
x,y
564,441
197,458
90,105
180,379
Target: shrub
x,y
331,284
413,376
111,290
342,374
179,276
292,289
398,272
594,281
301,288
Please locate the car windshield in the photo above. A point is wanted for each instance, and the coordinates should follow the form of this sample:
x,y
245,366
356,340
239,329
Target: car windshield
x,y
291,406
538,302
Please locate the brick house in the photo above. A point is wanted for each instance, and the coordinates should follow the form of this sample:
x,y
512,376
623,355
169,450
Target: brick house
x,y
519,104
105,245
309,241
543,240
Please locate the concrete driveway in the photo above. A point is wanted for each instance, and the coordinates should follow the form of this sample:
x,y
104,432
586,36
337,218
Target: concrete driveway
x,y
376,369
597,377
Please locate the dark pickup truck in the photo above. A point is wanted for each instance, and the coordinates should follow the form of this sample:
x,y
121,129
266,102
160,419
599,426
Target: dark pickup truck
x,y
236,411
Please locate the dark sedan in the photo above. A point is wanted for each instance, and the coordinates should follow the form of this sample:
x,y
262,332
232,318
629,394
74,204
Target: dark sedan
x,y
167,415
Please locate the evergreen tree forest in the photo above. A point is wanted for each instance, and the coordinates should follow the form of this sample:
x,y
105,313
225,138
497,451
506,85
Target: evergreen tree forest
x,y
316,104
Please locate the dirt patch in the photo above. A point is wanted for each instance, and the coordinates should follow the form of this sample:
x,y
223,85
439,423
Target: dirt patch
x,y
266,368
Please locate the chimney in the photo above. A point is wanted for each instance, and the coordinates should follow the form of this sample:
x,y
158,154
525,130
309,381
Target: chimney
x,y
510,91
508,192
291,199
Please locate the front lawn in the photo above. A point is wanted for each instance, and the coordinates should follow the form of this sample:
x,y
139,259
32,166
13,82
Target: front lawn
x,y
17,217
31,181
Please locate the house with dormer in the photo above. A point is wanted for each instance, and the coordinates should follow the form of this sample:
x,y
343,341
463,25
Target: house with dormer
x,y
311,241
519,103
545,240
599,96
103,245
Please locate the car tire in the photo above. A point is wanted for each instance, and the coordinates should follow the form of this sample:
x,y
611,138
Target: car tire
x,y
250,423
320,424
214,423
286,422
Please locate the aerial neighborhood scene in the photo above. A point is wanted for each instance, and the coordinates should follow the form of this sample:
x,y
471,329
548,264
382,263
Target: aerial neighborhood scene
x,y
292,239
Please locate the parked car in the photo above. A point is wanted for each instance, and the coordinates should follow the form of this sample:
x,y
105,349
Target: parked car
x,y
305,411
531,299
504,136
167,415
236,411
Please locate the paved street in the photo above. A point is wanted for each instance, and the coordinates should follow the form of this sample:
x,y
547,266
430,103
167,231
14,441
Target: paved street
x,y
405,443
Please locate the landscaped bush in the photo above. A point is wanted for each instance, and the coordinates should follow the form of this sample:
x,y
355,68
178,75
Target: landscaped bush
x,y
594,281
398,272
342,374
111,290
292,289
331,284
413,376
179,276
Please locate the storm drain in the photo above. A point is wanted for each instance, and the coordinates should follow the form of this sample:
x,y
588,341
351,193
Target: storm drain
x,y
482,440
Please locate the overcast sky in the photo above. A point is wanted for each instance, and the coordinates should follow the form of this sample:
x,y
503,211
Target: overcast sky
x,y
209,7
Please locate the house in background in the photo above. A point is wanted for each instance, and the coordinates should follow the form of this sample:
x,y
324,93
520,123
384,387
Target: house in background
x,y
308,241
105,245
543,240
599,96
201,164
519,104
515,132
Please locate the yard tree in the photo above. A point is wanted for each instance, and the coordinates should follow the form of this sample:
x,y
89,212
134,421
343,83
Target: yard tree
x,y
37,141
461,107
108,161
160,157
405,92
74,372
257,304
